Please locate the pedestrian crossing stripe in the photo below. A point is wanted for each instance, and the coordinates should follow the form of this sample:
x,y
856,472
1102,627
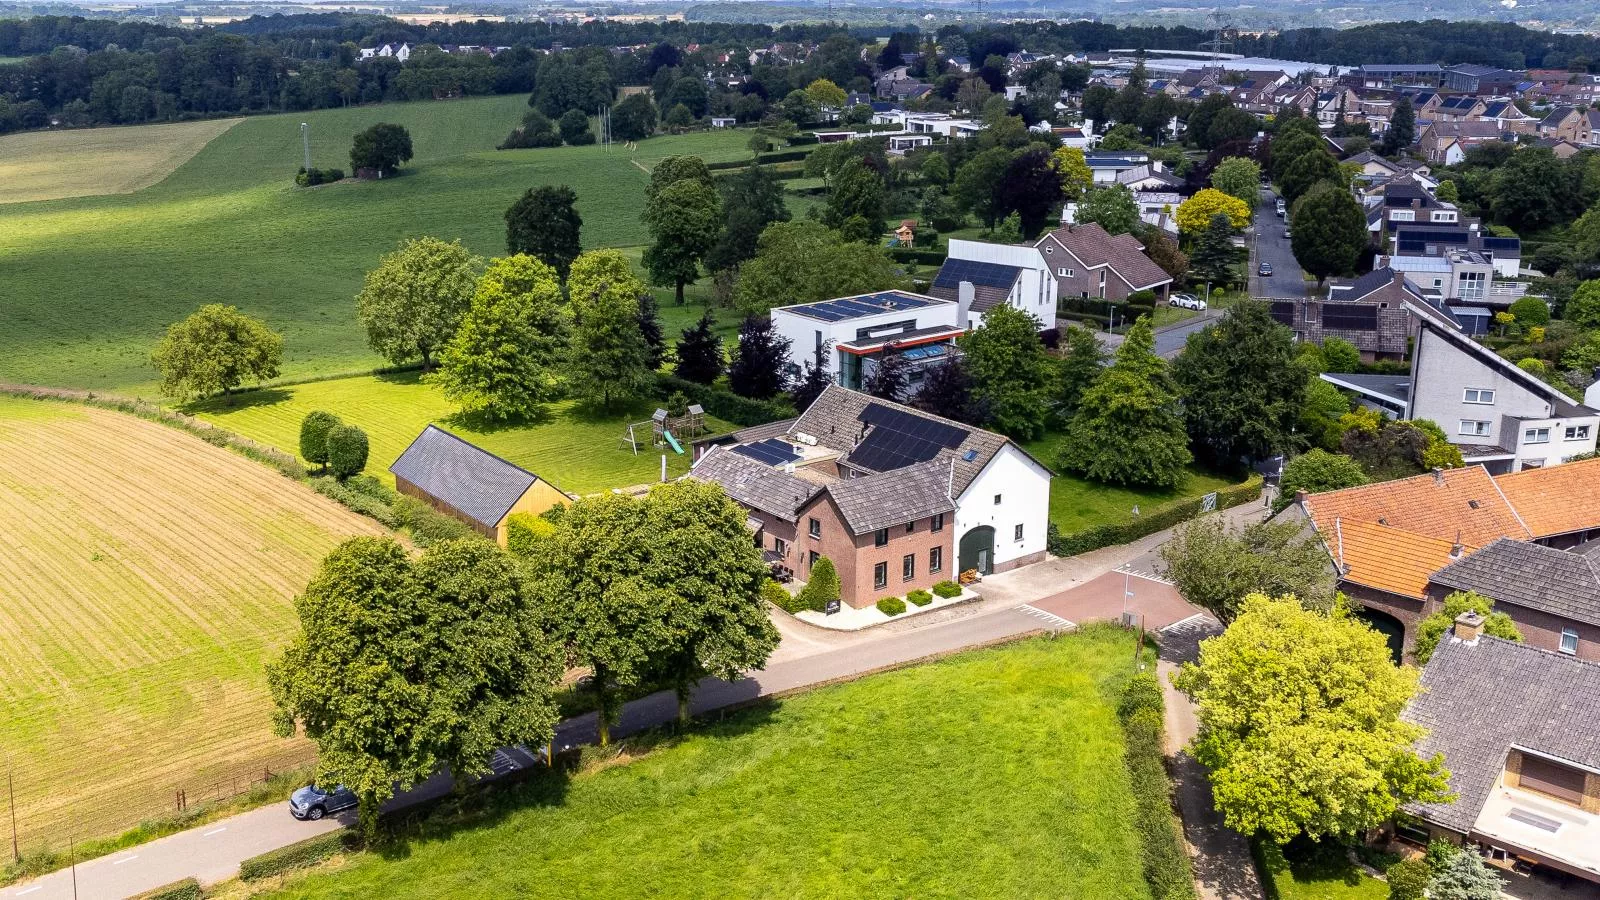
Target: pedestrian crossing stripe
x,y
1049,617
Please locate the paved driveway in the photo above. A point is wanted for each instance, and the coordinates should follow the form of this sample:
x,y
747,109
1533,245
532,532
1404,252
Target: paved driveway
x,y
1271,246
1101,600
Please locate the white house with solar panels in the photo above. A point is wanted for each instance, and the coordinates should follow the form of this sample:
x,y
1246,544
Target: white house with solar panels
x,y
847,336
980,276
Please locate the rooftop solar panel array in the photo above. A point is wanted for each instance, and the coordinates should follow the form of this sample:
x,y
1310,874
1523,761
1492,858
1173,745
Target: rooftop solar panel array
x,y
863,305
771,451
981,274
899,439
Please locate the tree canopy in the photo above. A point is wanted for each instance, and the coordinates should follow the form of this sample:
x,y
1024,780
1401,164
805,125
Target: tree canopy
x,y
506,359
685,221
610,359
1437,624
382,147
1194,214
1012,376
1329,231
1128,428
804,261
216,349
1300,724
544,223
1215,567
1111,207
413,301
1238,177
757,369
1317,471
1242,387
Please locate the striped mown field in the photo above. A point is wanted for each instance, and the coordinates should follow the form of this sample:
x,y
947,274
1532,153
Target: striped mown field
x,y
145,579
85,162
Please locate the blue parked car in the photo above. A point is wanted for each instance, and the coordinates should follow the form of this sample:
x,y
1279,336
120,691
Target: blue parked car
x,y
312,802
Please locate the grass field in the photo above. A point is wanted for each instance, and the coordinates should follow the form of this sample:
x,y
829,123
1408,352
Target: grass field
x,y
575,451
1077,503
1322,873
92,282
51,165
146,577
995,773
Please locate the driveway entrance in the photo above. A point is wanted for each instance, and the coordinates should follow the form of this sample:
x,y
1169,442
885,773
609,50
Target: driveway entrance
x,y
977,550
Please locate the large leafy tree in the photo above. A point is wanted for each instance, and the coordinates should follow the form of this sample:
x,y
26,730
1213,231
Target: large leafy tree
x,y
1163,250
1535,190
1194,214
1084,358
977,185
1433,627
505,360
947,391
701,554
685,220
700,352
803,262
890,378
1329,231
1201,117
401,668
1112,207
216,349
413,301
383,147
1128,429
1070,164
674,169
1305,173
1030,188
609,360
1317,471
758,360
634,119
751,200
855,205
1238,177
1300,724
1231,124
1242,387
1215,566
544,223
1012,375
1288,147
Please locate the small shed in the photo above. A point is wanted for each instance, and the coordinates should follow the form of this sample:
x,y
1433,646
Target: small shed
x,y
723,121
463,480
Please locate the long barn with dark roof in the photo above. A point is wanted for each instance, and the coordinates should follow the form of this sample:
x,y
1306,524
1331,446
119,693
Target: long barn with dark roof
x,y
465,481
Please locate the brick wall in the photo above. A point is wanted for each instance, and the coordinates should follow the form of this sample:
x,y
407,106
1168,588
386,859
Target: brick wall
x,y
855,556
1539,629
1407,610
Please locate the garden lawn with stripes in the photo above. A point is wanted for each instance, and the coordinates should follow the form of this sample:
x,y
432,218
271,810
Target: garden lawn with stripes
x,y
146,578
993,773
573,448
91,283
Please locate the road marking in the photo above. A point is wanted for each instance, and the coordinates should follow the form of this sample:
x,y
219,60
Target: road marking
x,y
215,831
1052,618
118,862
37,887
1197,617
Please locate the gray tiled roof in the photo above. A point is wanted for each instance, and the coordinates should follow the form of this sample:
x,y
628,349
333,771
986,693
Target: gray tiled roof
x,y
474,481
762,432
754,483
1479,700
1529,575
914,492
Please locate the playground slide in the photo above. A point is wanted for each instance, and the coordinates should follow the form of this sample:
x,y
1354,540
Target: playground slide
x,y
676,448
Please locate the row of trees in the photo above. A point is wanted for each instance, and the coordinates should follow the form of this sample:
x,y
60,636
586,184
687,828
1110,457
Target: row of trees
x,y
406,667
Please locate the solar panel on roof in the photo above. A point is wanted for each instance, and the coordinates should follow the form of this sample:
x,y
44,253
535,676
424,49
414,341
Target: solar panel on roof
x,y
955,271
899,439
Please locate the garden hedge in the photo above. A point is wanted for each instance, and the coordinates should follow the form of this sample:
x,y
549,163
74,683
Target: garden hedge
x,y
1160,520
1163,860
725,404
299,855
909,254
187,889
891,606
920,597
947,589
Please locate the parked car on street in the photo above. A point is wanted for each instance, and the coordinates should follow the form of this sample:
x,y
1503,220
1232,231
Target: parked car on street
x,y
312,802
1282,209
1264,269
1287,233
1187,301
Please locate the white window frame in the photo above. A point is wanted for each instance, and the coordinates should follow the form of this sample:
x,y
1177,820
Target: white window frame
x,y
1540,435
1576,433
1473,427
1569,641
1481,396
1064,272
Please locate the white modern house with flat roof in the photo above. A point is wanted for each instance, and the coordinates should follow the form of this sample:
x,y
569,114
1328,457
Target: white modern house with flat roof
x,y
847,336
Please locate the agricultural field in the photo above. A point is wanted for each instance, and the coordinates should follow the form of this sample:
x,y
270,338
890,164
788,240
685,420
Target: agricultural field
x,y
995,773
574,450
51,165
92,282
146,578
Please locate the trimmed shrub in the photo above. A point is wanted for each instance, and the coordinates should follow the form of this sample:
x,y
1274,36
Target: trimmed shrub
x,y
311,177
314,430
308,852
947,589
187,889
347,450
1143,692
427,525
1160,520
891,606
356,501
823,586
920,597
1164,862
1408,878
774,593
524,531
725,404
924,257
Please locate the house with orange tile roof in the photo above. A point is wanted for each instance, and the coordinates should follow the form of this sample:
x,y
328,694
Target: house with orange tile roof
x,y
1387,541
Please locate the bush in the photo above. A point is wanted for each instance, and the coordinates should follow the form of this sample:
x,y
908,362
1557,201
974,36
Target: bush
x,y
1164,861
908,254
891,606
356,501
347,450
1440,852
920,597
1408,879
725,404
1143,692
308,852
187,889
947,589
314,430
1050,338
524,531
774,593
427,525
1160,520
822,588
312,177
1142,298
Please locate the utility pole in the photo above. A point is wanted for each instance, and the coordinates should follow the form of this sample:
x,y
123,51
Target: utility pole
x,y
305,141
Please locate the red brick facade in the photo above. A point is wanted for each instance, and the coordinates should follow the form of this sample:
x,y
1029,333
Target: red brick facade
x,y
856,557
1539,629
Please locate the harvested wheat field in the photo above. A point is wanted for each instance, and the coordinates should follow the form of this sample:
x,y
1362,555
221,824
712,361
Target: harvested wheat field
x,y
87,162
145,577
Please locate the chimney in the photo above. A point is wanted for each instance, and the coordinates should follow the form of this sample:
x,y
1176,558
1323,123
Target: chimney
x,y
1438,475
965,293
1300,496
1456,548
1468,626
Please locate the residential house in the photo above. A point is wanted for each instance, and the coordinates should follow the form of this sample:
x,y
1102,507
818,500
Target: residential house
x,y
1088,262
979,276
1076,136
1107,167
1462,106
1447,142
1441,238
1370,313
470,483
1552,595
1296,96
1517,728
1332,105
1469,78
1568,124
1423,103
847,336
896,498
1509,117
1403,199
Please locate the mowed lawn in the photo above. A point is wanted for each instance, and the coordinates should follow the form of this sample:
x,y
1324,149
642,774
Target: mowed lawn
x,y
91,283
146,577
996,773
50,165
1078,503
576,450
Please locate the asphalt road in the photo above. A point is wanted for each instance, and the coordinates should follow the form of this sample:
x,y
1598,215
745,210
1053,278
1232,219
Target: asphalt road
x,y
1272,247
1170,340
